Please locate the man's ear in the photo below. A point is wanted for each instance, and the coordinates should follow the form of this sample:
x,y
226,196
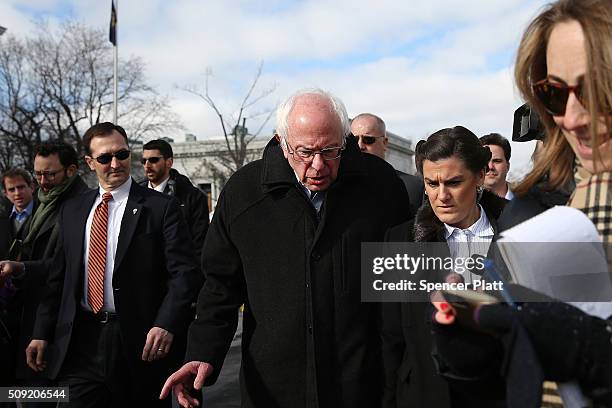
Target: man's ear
x,y
170,161
71,170
90,163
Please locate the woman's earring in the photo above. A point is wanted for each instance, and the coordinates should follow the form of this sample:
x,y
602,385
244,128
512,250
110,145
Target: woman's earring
x,y
479,191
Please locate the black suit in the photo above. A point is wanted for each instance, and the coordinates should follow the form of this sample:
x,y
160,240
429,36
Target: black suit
x,y
415,187
155,280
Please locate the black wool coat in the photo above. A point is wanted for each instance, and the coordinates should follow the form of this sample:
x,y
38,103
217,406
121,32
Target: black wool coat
x,y
193,203
32,283
411,376
308,340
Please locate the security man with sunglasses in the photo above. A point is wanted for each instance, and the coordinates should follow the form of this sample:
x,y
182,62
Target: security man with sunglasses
x,y
112,322
55,170
157,160
371,132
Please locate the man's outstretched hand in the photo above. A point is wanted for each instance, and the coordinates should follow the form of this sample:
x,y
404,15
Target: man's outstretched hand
x,y
189,377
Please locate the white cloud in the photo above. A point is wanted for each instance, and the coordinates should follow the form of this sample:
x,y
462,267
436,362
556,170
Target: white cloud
x,y
420,65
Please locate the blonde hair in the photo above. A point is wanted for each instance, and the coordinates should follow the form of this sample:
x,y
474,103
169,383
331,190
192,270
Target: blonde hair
x,y
556,160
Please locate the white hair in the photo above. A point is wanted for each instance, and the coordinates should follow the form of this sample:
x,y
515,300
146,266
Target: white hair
x,y
285,108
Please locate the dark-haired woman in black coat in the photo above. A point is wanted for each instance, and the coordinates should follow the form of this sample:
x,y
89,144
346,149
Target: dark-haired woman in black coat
x,y
457,210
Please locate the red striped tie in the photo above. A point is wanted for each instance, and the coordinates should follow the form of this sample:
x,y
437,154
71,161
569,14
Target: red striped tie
x,y
96,261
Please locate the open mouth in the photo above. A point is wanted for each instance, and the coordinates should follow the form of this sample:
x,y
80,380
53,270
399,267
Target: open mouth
x,y
585,144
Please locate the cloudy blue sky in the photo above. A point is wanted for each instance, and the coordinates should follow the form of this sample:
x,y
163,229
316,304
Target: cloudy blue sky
x,y
420,65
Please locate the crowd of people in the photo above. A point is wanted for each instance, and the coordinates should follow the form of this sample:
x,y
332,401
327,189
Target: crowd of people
x,y
125,294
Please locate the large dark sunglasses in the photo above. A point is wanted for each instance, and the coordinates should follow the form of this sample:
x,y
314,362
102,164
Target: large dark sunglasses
x,y
108,157
368,140
554,95
151,160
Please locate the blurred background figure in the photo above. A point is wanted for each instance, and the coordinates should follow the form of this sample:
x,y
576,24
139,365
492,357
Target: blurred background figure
x,y
157,160
371,133
499,165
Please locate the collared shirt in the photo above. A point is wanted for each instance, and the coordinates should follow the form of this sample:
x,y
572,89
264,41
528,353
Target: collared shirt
x,y
509,194
116,208
161,186
316,197
20,217
475,240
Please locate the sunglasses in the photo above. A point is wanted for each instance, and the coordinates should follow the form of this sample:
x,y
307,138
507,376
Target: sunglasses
x,y
554,95
151,160
108,157
368,140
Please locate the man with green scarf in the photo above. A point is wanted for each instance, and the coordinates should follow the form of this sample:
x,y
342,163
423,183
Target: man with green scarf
x,y
55,169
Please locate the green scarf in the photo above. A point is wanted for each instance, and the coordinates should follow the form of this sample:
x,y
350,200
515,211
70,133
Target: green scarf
x,y
46,206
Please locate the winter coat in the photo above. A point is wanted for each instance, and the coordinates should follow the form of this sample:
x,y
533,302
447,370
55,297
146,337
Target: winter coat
x,y
411,376
308,340
193,203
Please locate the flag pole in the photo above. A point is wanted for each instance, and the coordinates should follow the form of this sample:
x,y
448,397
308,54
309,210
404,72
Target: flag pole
x,y
115,65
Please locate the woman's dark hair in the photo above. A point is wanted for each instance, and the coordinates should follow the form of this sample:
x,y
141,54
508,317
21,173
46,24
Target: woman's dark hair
x,y
459,142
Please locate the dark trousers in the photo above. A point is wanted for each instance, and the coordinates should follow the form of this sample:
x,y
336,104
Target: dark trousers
x,y
96,370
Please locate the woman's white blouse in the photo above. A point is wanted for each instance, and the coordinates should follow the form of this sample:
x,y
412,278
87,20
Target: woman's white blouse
x,y
476,239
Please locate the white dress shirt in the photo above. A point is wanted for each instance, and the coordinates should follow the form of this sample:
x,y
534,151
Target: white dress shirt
x,y
476,239
509,194
161,186
116,208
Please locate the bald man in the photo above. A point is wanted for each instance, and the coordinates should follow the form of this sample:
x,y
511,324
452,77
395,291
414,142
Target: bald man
x,y
371,132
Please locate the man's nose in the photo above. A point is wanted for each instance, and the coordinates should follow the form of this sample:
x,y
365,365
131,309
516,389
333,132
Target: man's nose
x,y
318,163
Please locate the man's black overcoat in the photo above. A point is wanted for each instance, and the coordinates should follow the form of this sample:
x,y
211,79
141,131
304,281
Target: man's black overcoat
x,y
308,340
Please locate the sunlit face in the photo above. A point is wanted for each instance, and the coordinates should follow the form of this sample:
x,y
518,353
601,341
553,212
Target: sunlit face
x,y
18,191
498,168
367,126
158,171
312,125
115,173
566,62
50,173
452,191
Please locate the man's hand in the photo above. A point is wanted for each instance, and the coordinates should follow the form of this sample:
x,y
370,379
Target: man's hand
x,y
157,345
182,381
35,353
8,269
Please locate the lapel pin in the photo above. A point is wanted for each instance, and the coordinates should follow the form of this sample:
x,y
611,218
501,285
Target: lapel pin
x,y
134,211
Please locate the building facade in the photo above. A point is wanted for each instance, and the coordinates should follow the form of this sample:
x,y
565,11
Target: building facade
x,y
205,161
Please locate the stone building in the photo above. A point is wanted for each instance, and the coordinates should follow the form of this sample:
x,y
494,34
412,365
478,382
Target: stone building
x,y
199,160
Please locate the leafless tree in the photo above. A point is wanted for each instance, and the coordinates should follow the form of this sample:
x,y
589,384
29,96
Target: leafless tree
x,y
224,162
59,82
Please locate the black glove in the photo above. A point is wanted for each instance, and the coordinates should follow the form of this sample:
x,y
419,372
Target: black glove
x,y
569,343
467,353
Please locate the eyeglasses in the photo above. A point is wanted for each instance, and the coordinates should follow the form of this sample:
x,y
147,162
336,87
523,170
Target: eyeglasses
x,y
108,157
367,139
49,175
554,95
307,155
151,160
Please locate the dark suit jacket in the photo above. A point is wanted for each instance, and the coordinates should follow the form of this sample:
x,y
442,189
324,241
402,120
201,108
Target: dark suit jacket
x,y
31,285
415,187
156,278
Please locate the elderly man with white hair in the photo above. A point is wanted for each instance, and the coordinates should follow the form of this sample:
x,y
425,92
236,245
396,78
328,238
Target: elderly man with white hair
x,y
285,242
